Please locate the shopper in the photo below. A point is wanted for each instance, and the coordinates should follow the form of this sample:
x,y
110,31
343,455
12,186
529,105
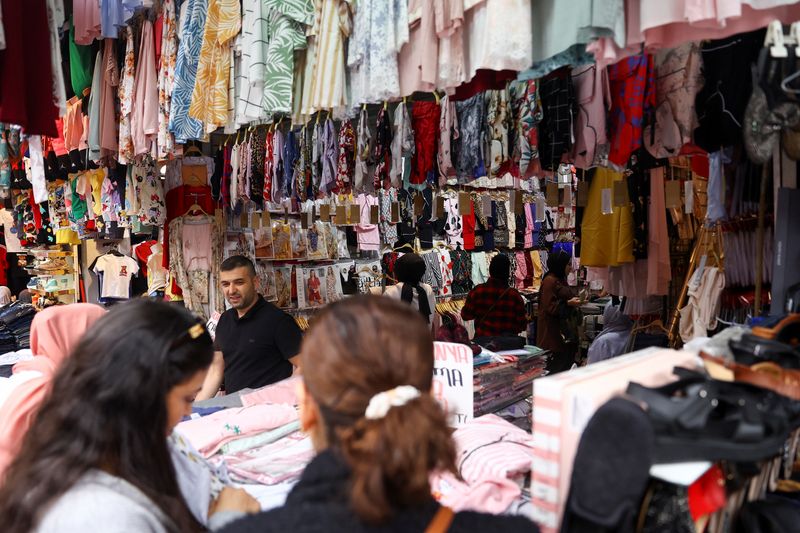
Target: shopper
x,y
616,333
497,309
256,343
378,432
54,333
553,324
409,270
25,297
96,457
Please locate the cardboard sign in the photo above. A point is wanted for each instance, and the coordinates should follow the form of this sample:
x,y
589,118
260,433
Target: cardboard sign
x,y
325,212
551,194
374,215
672,194
452,381
341,216
582,197
439,213
621,198
464,204
355,214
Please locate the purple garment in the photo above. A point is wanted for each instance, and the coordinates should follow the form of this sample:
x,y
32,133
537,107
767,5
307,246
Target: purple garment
x,y
114,14
328,155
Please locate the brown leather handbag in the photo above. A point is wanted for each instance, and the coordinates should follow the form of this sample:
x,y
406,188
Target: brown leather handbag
x,y
441,521
765,375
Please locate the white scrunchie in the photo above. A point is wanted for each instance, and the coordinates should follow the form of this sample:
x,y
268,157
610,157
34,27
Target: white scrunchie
x,y
380,404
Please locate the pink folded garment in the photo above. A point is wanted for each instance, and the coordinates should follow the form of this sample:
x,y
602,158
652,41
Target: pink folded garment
x,y
281,392
274,463
492,457
209,433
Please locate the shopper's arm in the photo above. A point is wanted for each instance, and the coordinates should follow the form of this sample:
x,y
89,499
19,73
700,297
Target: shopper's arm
x,y
213,379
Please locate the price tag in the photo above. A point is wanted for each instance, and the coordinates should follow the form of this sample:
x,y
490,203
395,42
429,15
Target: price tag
x,y
265,218
341,216
325,212
688,192
486,201
395,212
374,216
605,202
540,209
355,214
519,203
621,198
568,196
419,204
305,216
582,197
243,220
439,213
551,194
256,222
464,204
672,194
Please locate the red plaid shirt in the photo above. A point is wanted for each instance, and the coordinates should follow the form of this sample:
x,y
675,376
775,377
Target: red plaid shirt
x,y
496,308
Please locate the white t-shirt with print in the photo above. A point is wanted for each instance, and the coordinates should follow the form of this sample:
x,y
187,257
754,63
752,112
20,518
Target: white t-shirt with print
x,y
117,273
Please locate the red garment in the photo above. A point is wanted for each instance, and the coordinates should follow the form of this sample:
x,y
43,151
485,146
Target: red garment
x,y
158,28
699,159
425,123
3,266
179,200
707,494
143,251
57,142
26,90
468,229
496,308
483,81
632,85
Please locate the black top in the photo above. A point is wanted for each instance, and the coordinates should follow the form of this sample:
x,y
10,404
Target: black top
x,y
319,503
257,346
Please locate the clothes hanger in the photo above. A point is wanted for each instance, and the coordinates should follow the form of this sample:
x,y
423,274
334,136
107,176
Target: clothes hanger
x,y
193,150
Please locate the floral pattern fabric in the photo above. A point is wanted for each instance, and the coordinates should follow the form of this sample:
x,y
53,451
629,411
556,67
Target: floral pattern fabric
x,y
166,76
125,94
346,161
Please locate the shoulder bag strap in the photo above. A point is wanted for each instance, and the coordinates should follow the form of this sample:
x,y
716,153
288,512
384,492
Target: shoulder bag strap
x,y
441,521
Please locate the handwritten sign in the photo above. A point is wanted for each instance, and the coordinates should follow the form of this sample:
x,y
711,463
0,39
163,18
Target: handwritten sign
x,y
452,381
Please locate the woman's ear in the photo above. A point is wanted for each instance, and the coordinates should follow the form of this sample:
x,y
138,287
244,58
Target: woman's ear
x,y
309,411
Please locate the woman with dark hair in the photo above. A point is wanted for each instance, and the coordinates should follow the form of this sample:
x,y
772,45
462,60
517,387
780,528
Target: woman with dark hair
x,y
378,431
409,270
555,300
96,456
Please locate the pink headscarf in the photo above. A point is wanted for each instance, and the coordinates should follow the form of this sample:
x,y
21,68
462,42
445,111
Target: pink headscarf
x,y
54,333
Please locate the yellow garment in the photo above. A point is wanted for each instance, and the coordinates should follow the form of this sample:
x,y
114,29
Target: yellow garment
x,y
210,94
96,179
67,236
606,240
538,271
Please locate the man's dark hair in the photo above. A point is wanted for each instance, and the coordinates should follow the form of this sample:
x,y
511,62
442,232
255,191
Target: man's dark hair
x,y
238,261
500,267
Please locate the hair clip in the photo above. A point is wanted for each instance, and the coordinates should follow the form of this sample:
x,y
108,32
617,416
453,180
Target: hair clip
x,y
196,331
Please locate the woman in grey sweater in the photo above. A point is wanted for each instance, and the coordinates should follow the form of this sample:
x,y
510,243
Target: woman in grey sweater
x,y
96,458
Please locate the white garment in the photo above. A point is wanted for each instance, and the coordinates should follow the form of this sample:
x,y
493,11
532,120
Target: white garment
x,y
117,273
37,169
12,242
156,273
700,315
380,30
9,384
250,47
55,21
507,49
2,32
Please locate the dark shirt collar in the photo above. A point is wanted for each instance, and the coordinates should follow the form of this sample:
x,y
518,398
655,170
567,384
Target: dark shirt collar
x,y
260,302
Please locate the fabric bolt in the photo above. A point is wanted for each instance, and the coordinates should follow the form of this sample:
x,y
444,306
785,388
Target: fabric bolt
x,y
558,112
27,95
402,148
380,29
381,153
181,123
209,100
633,100
425,123
467,149
592,98
144,118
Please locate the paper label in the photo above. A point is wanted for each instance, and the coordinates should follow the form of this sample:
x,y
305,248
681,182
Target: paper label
x,y
373,214
582,199
341,215
325,212
605,199
395,212
688,191
540,209
551,194
464,204
672,194
355,214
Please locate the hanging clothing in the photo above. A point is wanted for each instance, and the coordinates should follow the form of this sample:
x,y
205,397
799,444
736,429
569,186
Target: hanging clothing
x,y
125,95
380,29
700,313
633,101
144,119
659,272
402,147
419,57
468,147
558,113
607,238
592,98
181,124
209,100
345,166
381,152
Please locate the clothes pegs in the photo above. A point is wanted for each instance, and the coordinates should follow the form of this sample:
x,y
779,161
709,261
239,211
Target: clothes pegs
x,y
405,100
364,107
436,95
775,40
794,36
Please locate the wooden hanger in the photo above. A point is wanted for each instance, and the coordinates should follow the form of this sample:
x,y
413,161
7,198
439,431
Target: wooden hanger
x,y
193,150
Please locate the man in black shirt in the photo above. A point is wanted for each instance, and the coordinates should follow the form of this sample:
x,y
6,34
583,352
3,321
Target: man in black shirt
x,y
256,343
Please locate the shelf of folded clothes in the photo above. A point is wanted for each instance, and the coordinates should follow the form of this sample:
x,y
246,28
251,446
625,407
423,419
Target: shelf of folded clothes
x,y
501,379
15,327
41,292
